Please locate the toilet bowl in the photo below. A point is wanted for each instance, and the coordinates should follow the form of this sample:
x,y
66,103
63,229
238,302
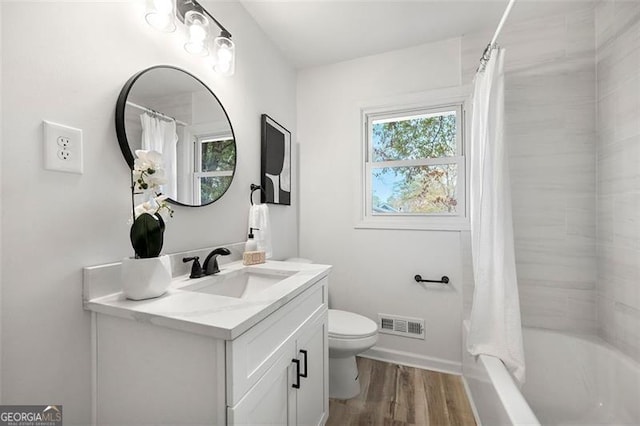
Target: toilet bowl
x,y
349,335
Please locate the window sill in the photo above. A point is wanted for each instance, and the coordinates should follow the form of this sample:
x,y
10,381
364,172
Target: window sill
x,y
415,224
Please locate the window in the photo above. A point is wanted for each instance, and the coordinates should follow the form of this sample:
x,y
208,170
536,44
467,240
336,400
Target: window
x,y
414,171
214,167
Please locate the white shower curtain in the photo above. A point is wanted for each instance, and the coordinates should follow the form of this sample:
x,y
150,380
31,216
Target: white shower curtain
x,y
160,135
495,315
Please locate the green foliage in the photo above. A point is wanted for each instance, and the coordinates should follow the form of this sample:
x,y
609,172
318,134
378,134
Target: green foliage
x,y
218,155
430,190
212,188
421,189
431,137
147,235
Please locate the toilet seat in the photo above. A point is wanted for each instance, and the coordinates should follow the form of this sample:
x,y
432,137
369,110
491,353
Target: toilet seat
x,y
347,325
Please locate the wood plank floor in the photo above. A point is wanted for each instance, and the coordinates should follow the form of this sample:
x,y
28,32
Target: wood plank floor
x,y
396,395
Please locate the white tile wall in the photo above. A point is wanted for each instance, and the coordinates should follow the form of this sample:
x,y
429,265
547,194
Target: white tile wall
x,y
467,273
550,91
618,173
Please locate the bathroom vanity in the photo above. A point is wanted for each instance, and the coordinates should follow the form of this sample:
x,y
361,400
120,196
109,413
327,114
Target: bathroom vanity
x,y
245,346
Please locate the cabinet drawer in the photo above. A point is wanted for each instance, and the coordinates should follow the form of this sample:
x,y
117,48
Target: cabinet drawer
x,y
254,352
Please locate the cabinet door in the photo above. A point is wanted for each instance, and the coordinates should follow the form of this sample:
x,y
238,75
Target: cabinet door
x,y
250,355
270,401
312,398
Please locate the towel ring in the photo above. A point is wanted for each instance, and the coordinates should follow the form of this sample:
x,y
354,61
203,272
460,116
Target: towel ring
x,y
255,187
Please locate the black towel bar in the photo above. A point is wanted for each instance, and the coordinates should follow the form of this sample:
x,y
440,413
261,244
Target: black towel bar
x,y
443,280
254,188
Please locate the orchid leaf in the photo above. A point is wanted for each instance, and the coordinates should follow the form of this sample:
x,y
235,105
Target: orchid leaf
x,y
147,235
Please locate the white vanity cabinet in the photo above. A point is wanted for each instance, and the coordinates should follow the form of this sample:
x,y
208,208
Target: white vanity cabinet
x,y
149,374
294,388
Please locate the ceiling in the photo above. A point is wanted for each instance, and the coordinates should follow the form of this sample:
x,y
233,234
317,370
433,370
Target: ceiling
x,y
319,32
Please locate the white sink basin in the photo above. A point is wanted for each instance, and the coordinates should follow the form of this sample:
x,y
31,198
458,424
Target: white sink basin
x,y
239,284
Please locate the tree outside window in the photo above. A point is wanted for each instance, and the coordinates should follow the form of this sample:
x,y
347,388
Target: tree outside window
x,y
216,167
414,162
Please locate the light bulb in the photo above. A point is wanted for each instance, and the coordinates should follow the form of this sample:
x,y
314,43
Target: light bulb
x,y
224,52
223,67
196,48
160,15
197,33
196,24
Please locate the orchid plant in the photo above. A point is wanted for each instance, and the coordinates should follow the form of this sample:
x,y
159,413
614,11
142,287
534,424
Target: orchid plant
x,y
147,230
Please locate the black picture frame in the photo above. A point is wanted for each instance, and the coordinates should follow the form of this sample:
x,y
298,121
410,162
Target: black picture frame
x,y
275,165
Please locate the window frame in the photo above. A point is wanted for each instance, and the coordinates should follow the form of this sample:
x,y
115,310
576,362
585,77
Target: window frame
x,y
418,221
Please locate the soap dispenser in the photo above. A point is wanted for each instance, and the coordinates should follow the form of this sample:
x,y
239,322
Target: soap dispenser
x,y
251,255
251,244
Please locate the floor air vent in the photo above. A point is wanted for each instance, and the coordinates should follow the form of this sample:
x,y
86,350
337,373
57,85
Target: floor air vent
x,y
401,326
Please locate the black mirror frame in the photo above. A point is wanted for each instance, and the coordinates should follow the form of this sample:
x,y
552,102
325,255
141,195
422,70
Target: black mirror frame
x,y
121,133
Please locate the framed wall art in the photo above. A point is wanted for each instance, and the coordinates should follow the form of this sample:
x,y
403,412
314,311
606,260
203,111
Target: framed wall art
x,y
276,162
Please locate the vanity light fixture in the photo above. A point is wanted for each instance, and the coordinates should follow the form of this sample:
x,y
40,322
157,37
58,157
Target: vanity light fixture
x,y
163,14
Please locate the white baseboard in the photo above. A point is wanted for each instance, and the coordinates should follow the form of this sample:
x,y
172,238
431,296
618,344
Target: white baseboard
x,y
413,360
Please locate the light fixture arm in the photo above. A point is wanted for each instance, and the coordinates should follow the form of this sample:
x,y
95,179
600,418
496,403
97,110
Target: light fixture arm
x,y
183,6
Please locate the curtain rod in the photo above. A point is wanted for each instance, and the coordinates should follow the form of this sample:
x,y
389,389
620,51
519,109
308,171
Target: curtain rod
x,y
487,51
149,110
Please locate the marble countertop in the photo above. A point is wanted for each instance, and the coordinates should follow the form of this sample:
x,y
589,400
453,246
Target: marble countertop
x,y
216,316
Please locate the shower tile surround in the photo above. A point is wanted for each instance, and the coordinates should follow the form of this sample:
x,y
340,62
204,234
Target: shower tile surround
x,y
617,27
550,92
575,180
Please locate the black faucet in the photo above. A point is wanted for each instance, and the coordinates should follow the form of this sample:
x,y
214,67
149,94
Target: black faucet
x,y
210,265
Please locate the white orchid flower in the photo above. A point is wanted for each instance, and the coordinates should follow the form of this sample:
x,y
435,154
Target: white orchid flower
x,y
156,179
149,162
150,158
148,176
146,207
156,205
148,173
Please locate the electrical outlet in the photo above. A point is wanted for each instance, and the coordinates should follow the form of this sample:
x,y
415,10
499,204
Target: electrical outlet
x,y
62,148
63,141
64,154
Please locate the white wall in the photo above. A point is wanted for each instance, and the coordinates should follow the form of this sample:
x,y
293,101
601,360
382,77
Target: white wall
x,y
373,269
69,68
618,154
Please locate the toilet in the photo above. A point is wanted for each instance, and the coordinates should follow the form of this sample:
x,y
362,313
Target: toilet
x,y
349,335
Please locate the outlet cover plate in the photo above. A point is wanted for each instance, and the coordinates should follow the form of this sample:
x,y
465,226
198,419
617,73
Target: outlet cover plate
x,y
62,148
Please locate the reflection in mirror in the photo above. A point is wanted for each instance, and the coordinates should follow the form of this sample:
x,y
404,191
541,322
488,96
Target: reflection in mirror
x,y
168,110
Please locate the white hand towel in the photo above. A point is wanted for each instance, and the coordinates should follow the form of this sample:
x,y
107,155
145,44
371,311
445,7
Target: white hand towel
x,y
259,219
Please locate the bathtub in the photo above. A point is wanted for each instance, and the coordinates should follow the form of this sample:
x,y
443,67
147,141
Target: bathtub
x,y
571,380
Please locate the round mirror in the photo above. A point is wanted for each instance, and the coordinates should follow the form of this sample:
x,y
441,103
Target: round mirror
x,y
168,110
